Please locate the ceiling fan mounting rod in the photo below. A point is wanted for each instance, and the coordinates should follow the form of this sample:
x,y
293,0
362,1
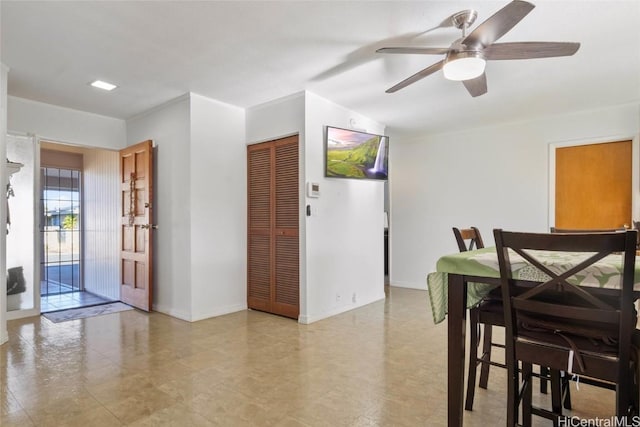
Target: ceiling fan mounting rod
x,y
463,20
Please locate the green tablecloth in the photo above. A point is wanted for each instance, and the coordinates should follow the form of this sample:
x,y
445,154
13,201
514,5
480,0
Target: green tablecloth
x,y
484,263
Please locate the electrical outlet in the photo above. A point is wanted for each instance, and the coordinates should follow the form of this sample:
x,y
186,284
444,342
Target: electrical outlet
x,y
337,297
353,298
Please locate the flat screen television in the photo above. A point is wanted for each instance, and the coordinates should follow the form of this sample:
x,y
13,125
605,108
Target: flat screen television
x,y
354,154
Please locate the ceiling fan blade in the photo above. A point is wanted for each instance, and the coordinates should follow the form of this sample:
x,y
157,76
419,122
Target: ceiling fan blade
x,y
498,24
417,76
526,50
418,50
477,86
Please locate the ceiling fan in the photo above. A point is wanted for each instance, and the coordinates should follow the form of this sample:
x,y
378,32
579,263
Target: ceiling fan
x,y
466,57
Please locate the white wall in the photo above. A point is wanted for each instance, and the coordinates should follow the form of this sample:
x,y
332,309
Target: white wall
x,y
273,120
82,129
4,337
276,119
345,233
200,205
65,125
169,128
341,243
489,177
200,246
218,205
22,249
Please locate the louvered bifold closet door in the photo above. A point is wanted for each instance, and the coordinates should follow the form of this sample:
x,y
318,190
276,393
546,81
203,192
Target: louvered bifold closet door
x,y
259,222
286,292
273,253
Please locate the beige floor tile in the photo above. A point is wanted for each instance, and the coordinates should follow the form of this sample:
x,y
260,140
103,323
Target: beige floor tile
x,y
33,393
142,404
8,403
17,418
94,417
178,415
195,383
291,422
228,407
119,389
383,364
61,411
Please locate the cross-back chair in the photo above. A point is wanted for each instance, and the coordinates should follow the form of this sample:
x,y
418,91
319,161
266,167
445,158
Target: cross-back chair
x,y
552,321
468,239
636,226
586,230
488,313
566,391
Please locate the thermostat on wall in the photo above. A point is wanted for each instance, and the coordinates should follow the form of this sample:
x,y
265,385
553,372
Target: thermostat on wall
x,y
313,189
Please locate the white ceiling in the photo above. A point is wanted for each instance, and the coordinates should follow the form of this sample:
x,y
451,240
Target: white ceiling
x,y
245,53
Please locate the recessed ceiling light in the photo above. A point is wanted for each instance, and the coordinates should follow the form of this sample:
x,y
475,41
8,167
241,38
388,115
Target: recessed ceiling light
x,y
103,85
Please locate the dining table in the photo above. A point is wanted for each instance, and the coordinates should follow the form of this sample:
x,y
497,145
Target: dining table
x,y
462,279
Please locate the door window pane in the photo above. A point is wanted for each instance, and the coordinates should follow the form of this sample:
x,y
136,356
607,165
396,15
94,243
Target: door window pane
x,y
61,201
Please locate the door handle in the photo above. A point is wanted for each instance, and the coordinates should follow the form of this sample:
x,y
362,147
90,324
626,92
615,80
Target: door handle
x,y
146,226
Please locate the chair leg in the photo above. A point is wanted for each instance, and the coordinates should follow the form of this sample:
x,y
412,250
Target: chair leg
x,y
473,360
557,385
512,393
486,355
623,398
527,393
544,374
636,391
566,391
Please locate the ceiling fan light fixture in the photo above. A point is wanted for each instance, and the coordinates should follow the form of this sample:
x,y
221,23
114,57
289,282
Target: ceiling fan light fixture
x,y
466,65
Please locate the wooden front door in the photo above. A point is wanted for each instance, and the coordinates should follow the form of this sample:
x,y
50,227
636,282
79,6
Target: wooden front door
x,y
273,246
136,190
593,186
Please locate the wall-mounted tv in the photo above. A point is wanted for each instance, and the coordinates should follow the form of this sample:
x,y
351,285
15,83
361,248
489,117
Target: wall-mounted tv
x,y
354,154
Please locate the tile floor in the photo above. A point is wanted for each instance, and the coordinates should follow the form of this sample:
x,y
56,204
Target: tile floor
x,y
380,365
64,301
52,288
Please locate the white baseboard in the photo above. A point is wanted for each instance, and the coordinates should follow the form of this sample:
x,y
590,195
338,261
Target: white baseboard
x,y
21,314
310,318
410,285
171,312
219,311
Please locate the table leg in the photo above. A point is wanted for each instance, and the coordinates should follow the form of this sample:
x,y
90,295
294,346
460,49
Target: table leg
x,y
456,321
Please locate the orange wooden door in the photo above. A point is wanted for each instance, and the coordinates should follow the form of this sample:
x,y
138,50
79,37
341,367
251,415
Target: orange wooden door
x,y
593,186
136,258
273,248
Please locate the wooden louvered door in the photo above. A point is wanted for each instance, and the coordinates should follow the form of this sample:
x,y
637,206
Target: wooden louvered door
x,y
273,249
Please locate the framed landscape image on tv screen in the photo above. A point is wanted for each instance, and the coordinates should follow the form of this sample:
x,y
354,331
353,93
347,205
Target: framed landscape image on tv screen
x,y
354,154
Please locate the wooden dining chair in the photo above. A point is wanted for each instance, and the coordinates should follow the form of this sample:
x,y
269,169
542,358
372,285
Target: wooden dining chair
x,y
552,321
566,391
636,226
488,314
468,239
586,230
